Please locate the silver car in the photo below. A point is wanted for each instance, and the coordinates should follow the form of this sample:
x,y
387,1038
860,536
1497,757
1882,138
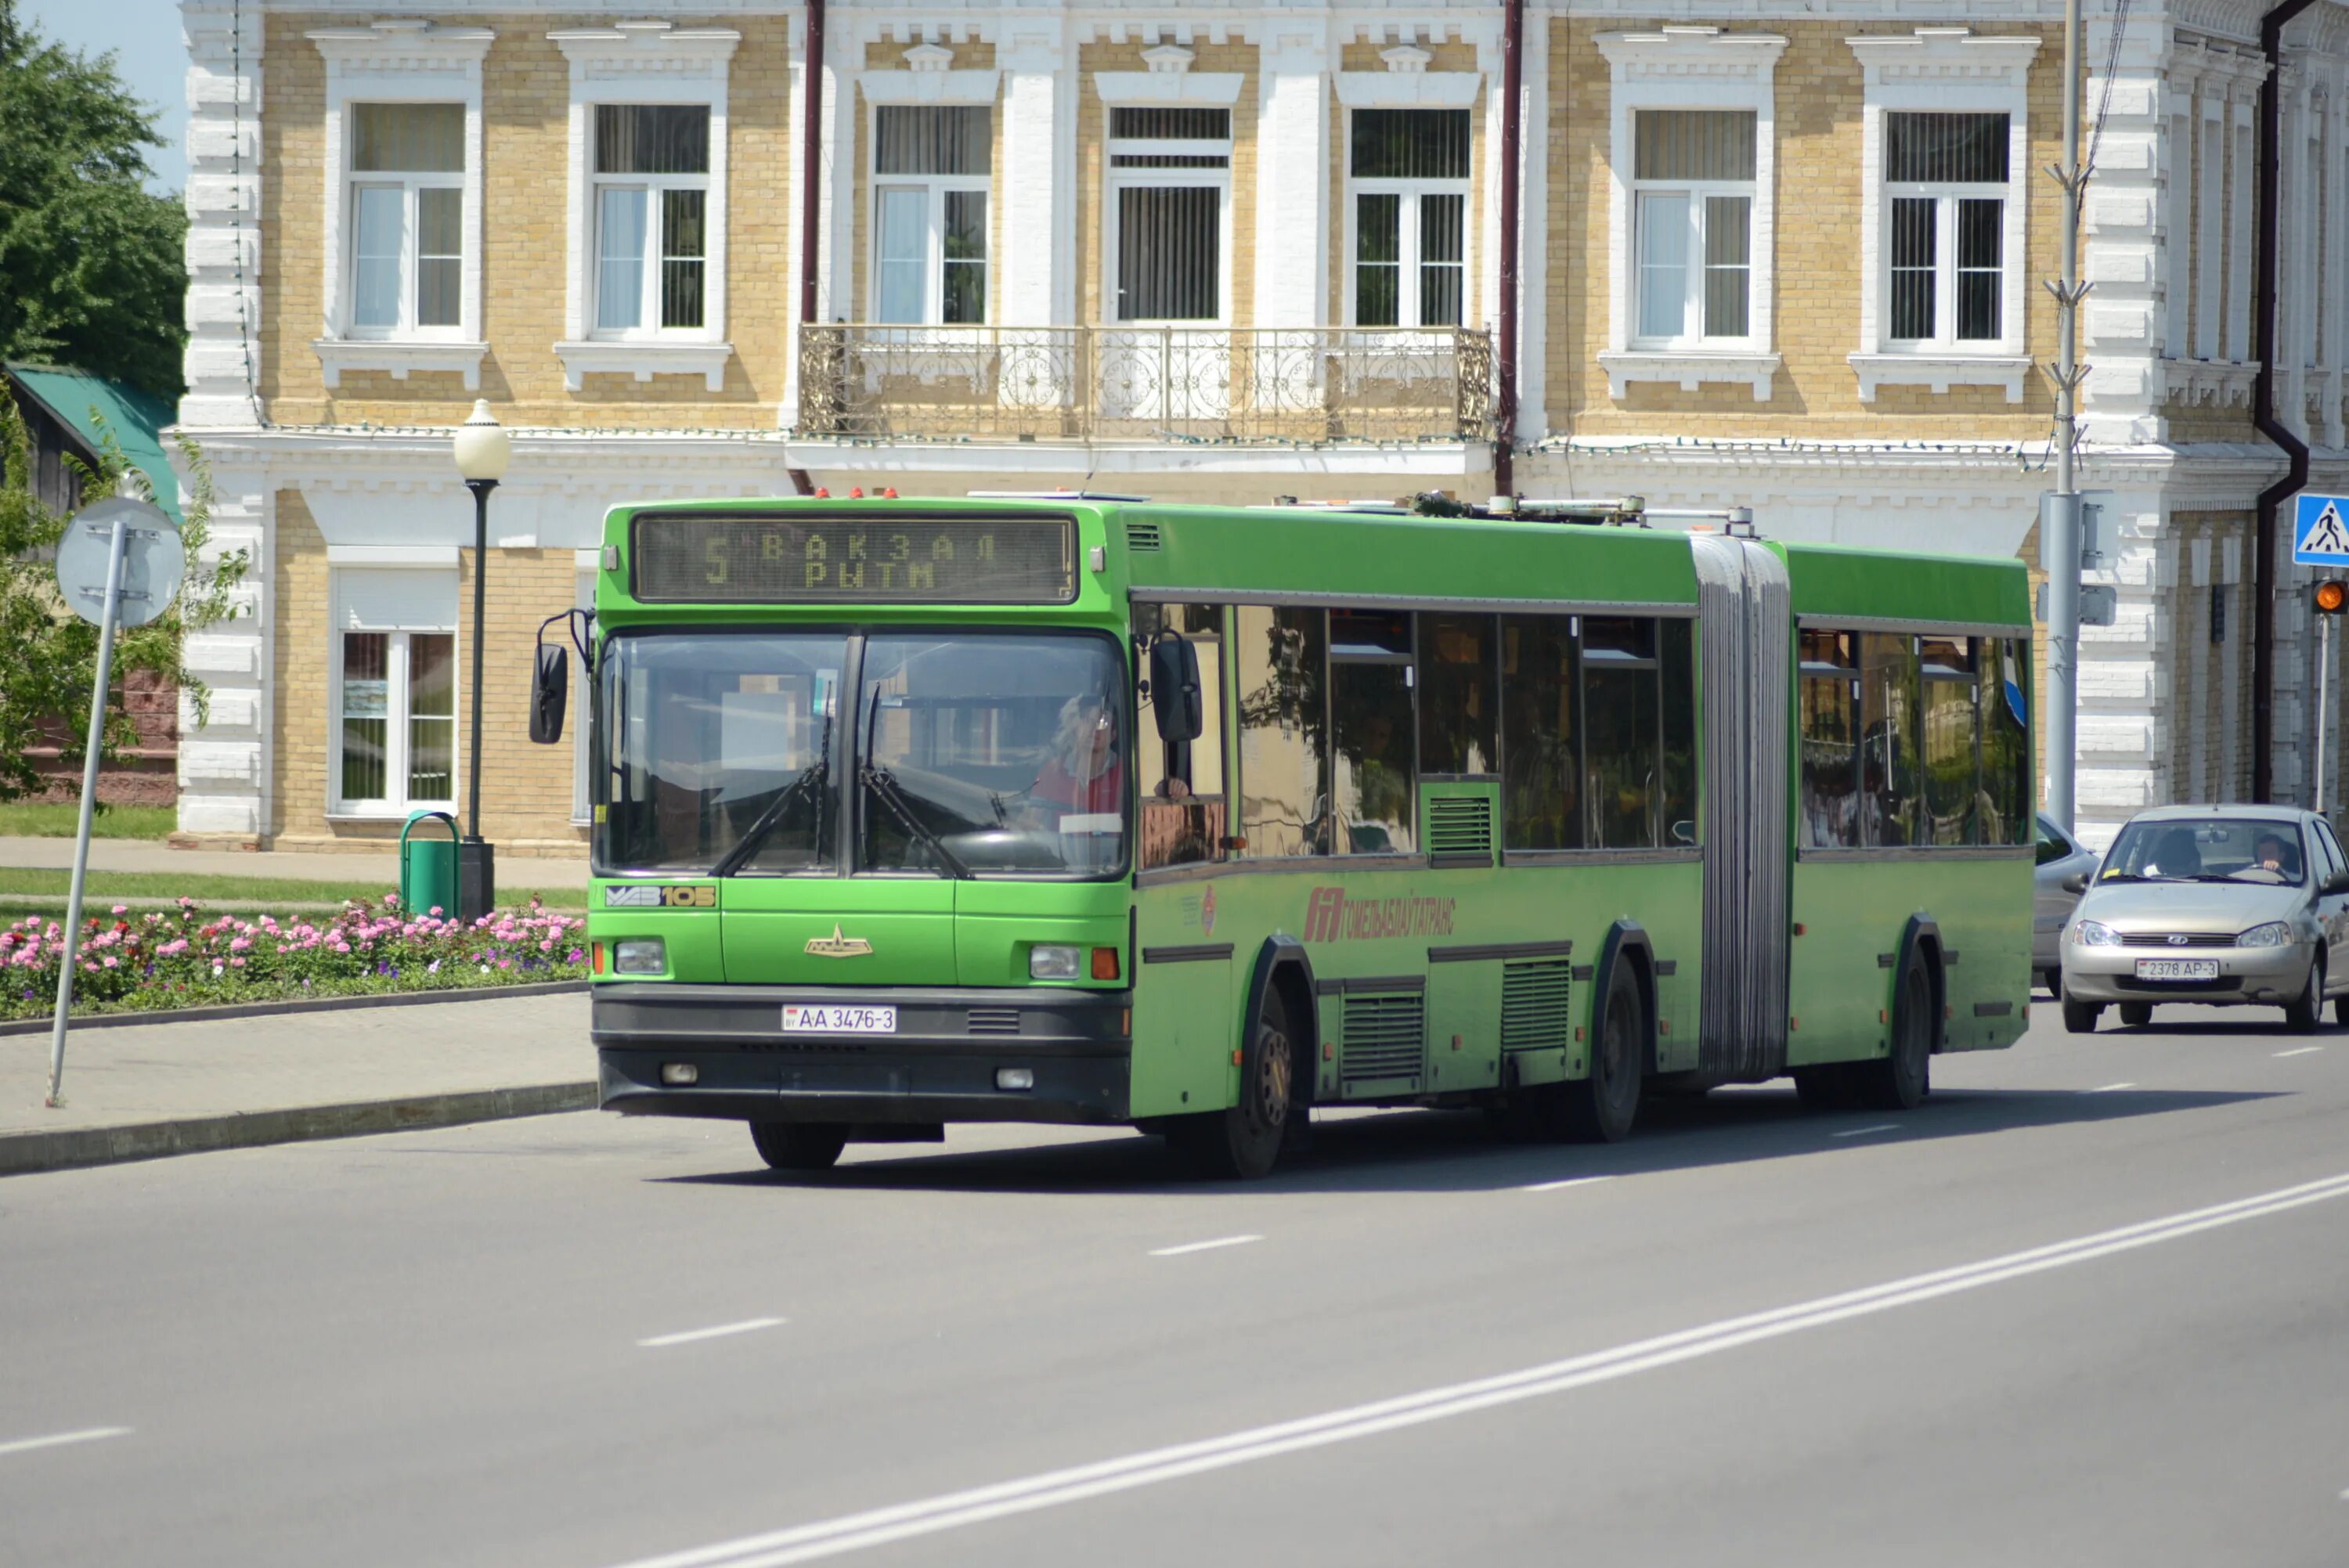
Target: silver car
x,y
2063,860
2223,905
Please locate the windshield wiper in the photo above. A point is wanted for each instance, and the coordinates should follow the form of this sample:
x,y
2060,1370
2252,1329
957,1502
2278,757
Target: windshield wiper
x,y
811,778
883,784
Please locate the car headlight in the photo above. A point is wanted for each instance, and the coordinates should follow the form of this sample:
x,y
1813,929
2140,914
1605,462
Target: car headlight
x,y
1053,962
2095,934
639,955
2274,934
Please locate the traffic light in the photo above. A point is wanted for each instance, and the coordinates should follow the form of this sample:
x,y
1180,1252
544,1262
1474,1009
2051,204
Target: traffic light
x,y
2331,597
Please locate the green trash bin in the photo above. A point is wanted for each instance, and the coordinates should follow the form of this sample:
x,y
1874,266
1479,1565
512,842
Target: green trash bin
x,y
428,868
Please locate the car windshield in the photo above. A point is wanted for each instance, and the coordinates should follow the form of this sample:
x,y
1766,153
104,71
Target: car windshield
x,y
2208,849
737,754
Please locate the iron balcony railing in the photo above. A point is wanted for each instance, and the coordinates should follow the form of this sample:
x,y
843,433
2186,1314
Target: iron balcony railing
x,y
868,381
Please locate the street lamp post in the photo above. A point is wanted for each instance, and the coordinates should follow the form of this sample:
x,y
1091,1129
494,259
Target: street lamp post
x,y
481,450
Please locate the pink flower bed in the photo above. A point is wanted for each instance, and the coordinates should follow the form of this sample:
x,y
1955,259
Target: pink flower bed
x,y
182,958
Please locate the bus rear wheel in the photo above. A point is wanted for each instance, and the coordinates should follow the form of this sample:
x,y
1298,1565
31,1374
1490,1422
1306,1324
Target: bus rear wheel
x,y
1903,1076
799,1145
1243,1142
1601,1107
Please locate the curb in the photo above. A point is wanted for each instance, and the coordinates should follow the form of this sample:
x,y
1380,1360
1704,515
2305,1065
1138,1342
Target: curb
x,y
21,1152
294,1004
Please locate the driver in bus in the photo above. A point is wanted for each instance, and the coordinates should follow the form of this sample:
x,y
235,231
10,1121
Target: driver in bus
x,y
1084,775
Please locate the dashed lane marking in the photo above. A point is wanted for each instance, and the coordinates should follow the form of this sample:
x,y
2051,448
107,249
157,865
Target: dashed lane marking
x,y
1562,1186
748,1325
1203,1246
60,1439
1864,1131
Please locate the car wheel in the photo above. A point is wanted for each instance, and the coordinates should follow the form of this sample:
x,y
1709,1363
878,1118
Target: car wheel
x,y
799,1145
2080,1018
2135,1014
2302,1016
2341,1011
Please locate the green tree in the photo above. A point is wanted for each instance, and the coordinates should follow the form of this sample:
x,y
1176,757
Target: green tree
x,y
52,653
92,266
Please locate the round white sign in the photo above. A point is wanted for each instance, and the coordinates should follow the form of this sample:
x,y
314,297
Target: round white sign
x,y
153,560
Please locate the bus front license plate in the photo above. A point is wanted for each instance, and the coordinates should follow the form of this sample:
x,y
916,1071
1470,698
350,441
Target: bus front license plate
x,y
2177,969
829,1020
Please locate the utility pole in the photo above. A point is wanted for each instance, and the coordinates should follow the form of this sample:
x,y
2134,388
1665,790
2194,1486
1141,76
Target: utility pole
x,y
2059,518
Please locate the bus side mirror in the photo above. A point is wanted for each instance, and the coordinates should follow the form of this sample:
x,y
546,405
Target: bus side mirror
x,y
1175,689
550,691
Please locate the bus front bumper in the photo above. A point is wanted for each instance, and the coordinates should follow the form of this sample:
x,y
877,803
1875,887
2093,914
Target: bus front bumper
x,y
955,1050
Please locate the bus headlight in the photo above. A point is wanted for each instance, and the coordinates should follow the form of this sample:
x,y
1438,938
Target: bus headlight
x,y
1053,962
2095,934
639,955
2274,934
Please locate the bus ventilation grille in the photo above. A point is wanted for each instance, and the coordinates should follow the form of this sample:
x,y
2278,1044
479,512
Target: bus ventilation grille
x,y
1536,1002
994,1021
1141,536
1386,1038
1460,825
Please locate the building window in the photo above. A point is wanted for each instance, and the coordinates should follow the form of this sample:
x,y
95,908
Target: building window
x,y
406,217
1169,175
1945,179
397,708
1692,219
1407,179
931,168
651,206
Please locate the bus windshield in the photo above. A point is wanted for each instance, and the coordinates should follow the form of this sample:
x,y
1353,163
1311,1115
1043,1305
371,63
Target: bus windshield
x,y
726,753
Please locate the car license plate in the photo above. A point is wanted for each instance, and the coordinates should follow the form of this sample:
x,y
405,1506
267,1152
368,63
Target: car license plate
x,y
832,1020
2177,969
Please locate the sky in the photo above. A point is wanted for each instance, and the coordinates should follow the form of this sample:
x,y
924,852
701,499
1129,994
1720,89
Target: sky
x,y
151,57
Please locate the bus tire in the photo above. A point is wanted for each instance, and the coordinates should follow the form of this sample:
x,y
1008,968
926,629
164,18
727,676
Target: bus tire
x,y
1242,1144
1601,1107
1902,1077
799,1145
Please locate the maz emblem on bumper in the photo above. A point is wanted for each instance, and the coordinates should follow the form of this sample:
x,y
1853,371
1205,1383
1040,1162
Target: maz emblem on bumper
x,y
838,946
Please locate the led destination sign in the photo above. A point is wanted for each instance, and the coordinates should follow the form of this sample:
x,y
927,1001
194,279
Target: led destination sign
x,y
701,559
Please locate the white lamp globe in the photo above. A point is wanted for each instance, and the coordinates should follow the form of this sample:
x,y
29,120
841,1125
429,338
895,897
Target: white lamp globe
x,y
482,445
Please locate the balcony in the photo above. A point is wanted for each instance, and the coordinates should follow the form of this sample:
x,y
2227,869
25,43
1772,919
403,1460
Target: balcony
x,y
1308,386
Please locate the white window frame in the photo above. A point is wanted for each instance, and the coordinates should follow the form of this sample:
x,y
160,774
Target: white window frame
x,y
1407,300
656,189
397,803
1692,68
411,187
1948,268
1698,192
1168,82
658,63
393,63
1942,70
934,189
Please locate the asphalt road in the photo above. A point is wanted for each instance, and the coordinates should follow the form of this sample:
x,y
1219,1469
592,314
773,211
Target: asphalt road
x,y
1750,1334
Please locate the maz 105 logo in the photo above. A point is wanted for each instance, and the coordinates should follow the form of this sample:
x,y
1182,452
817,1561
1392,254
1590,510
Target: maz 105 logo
x,y
701,895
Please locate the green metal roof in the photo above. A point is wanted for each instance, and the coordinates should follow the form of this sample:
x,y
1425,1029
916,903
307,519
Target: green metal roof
x,y
78,401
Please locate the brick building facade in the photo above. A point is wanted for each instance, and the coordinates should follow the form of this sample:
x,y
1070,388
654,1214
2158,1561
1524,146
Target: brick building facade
x,y
1218,252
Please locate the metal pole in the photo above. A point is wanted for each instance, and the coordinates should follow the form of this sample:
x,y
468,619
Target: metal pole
x,y
89,805
2323,693
2059,531
481,489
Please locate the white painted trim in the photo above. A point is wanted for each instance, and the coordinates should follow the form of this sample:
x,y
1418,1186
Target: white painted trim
x,y
1939,372
1689,368
1127,87
1293,230
1409,89
644,358
400,357
391,555
899,87
1035,283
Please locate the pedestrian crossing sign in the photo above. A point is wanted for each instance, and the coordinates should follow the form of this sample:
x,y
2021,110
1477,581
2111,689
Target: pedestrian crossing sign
x,y
2320,535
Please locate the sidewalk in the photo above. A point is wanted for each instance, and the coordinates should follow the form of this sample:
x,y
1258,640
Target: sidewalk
x,y
147,1089
147,855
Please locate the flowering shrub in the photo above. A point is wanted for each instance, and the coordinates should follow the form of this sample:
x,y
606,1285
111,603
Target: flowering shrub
x,y
181,958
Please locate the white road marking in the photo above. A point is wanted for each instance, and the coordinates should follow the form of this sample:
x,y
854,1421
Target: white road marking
x,y
1864,1131
1203,1246
956,1510
2300,1052
2108,1089
60,1439
1562,1186
660,1341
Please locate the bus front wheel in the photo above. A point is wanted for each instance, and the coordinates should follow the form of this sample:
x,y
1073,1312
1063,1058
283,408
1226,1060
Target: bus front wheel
x,y
799,1145
1244,1142
1599,1109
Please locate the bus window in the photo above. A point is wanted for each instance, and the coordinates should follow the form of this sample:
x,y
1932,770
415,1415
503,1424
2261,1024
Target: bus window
x,y
1888,679
1183,802
1947,665
1680,732
1373,725
1620,761
1280,656
1458,676
1830,732
2007,817
1540,753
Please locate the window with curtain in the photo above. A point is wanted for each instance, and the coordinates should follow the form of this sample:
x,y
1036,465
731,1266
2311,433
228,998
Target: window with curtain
x,y
1407,193
1945,186
396,697
407,218
932,166
651,197
1693,183
1169,172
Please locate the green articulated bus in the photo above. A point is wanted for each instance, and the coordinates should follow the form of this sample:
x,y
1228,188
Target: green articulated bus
x,y
1083,810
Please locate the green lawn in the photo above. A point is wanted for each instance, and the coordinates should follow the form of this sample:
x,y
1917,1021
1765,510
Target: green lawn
x,y
244,893
34,819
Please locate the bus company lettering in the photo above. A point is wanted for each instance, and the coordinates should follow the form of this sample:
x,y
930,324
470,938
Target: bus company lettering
x,y
1332,916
